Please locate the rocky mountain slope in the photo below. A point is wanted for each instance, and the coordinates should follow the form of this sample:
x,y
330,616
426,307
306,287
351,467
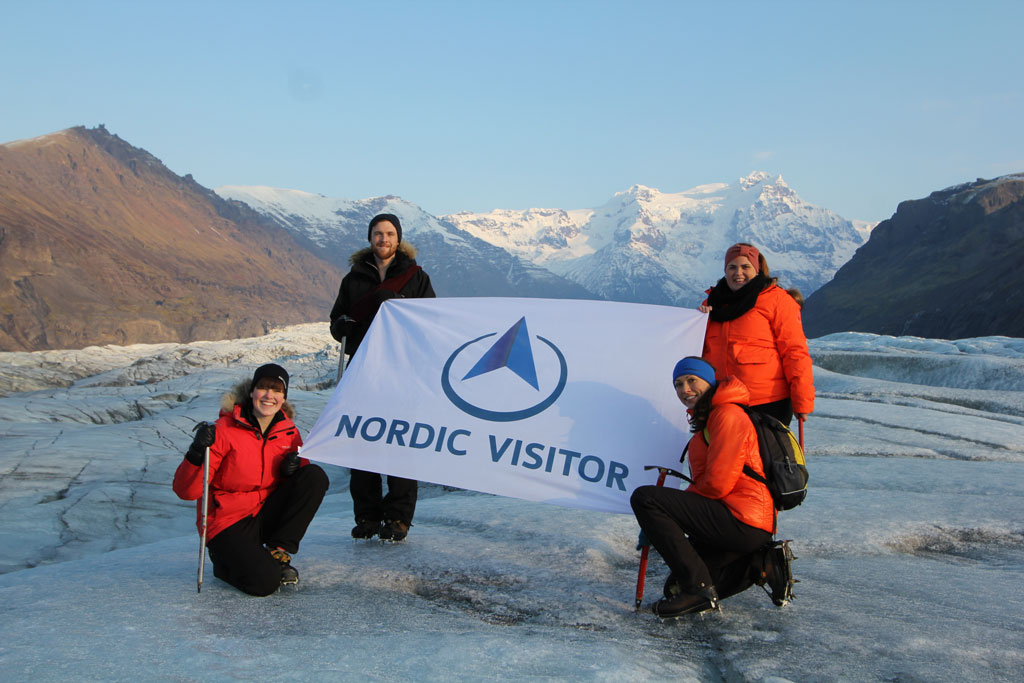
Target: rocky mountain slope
x,y
943,266
101,243
653,247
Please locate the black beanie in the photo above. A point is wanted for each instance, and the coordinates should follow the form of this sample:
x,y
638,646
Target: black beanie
x,y
390,218
273,372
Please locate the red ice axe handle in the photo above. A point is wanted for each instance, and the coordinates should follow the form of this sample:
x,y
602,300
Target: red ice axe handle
x,y
642,573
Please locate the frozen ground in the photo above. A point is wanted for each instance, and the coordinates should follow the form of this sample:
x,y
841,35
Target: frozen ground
x,y
911,544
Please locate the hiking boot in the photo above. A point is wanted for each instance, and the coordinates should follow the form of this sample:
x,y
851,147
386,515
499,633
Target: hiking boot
x,y
777,572
365,528
394,530
289,575
685,603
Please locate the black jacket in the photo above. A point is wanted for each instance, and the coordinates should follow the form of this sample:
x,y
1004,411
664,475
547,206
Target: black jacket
x,y
361,293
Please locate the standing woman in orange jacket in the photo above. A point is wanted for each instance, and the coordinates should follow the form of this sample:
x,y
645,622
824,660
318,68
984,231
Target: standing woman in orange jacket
x,y
755,333
715,536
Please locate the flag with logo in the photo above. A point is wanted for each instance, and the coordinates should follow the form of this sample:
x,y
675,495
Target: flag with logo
x,y
559,401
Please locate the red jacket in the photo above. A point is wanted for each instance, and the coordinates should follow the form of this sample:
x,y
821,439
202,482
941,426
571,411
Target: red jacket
x,y
244,467
716,464
766,349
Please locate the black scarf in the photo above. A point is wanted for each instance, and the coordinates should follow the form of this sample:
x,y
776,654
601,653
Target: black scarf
x,y
728,305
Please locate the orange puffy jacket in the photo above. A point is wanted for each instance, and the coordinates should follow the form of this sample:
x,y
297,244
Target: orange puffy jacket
x,y
244,466
766,349
716,463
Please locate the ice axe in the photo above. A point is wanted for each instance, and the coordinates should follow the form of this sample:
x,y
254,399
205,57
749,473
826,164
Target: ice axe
x,y
641,576
347,323
205,506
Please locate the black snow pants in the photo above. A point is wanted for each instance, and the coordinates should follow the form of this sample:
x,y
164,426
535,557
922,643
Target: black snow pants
x,y
369,503
781,410
237,552
699,539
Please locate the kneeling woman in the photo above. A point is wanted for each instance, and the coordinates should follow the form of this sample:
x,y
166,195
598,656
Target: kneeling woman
x,y
262,495
715,536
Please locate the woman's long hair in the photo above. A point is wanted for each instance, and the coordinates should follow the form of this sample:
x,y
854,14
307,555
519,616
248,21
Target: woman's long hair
x,y
702,410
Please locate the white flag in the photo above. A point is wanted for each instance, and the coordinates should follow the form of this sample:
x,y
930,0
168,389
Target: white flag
x,y
559,401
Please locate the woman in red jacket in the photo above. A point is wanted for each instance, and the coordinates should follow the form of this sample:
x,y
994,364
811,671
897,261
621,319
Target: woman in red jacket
x,y
715,536
262,495
755,333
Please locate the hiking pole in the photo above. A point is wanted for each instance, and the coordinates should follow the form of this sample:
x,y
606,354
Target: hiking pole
x,y
800,422
205,506
341,359
641,576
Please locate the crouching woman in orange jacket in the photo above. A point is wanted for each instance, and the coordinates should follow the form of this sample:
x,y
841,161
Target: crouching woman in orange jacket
x,y
262,495
715,536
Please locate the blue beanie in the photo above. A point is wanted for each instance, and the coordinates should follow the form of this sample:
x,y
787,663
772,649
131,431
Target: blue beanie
x,y
691,365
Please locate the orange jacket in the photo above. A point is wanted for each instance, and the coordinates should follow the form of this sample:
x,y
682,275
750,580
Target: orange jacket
x,y
766,349
716,464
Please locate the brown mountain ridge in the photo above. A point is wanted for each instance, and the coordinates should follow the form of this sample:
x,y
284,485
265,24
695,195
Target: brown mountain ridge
x,y
941,267
101,243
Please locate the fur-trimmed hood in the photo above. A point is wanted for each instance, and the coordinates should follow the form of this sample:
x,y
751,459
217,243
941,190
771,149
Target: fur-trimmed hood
x,y
240,394
404,248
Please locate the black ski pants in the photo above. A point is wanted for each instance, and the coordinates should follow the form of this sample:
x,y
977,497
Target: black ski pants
x,y
699,539
369,503
237,552
781,410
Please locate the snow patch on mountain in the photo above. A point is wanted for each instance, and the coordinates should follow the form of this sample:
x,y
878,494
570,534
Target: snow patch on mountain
x,y
320,219
683,235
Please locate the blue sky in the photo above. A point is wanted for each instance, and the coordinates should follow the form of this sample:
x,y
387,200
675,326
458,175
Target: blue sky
x,y
481,105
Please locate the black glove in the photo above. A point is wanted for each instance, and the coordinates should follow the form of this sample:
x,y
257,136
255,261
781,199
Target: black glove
x,y
343,327
290,464
206,434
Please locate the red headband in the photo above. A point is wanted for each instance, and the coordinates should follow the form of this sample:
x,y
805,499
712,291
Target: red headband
x,y
751,254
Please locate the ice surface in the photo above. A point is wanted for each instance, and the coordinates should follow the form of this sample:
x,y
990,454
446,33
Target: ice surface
x,y
910,545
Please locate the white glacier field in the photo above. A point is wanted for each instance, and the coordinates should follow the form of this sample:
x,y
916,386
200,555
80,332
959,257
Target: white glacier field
x,y
910,544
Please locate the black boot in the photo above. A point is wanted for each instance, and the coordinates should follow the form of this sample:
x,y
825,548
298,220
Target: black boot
x,y
776,570
687,603
289,574
366,528
394,530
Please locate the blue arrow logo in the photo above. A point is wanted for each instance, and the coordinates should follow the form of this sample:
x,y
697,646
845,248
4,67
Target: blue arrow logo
x,y
512,351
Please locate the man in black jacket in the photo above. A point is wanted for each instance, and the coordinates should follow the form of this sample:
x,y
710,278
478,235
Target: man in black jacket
x,y
384,270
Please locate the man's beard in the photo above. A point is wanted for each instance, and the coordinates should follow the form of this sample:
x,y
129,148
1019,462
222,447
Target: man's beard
x,y
377,251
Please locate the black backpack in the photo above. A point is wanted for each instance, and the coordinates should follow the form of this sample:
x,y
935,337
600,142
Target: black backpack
x,y
782,459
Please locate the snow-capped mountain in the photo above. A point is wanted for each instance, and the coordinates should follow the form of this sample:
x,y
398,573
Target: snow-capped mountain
x,y
459,264
642,246
654,247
